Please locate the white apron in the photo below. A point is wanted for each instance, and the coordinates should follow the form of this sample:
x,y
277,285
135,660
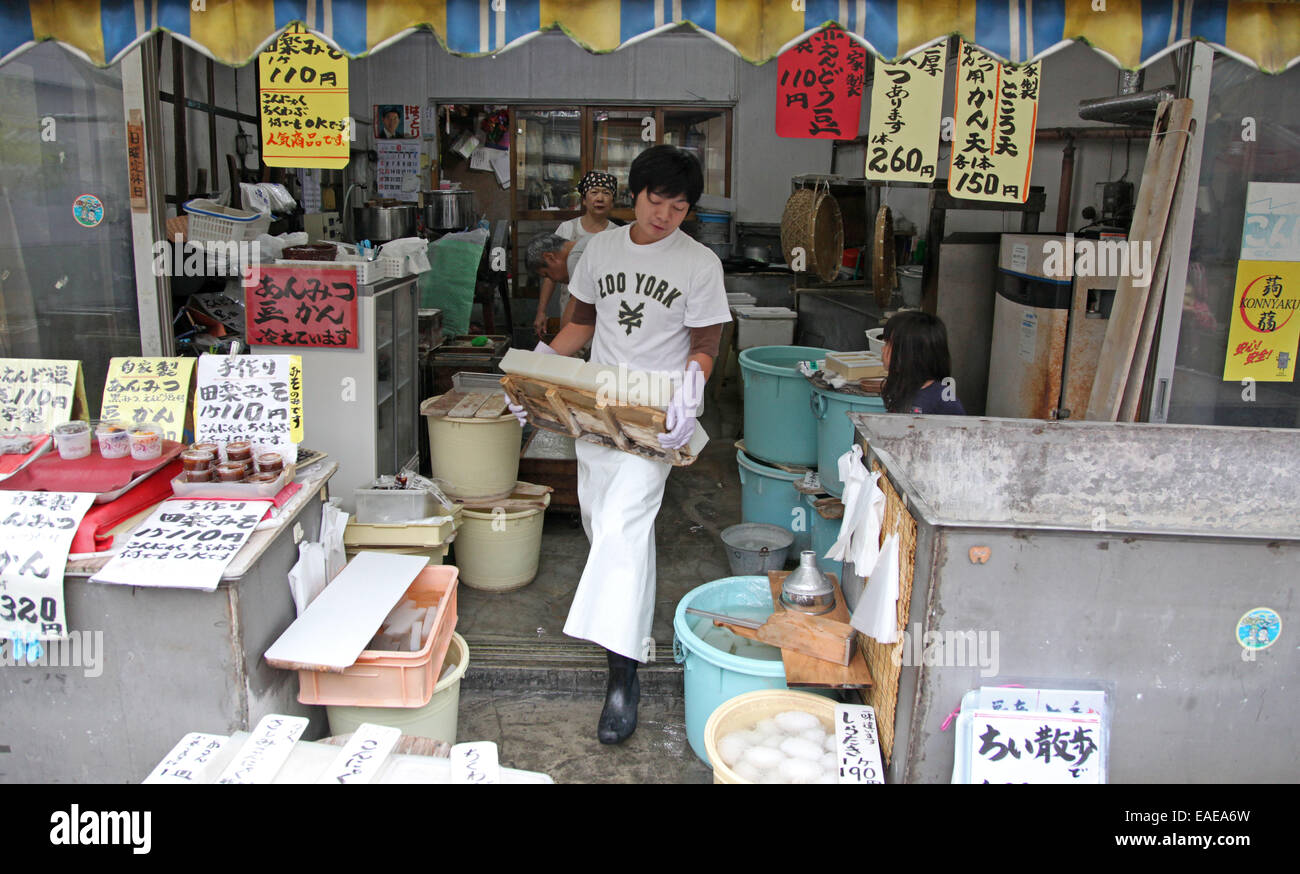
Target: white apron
x,y
620,494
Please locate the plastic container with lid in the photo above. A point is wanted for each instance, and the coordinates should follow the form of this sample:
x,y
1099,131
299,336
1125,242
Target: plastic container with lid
x,y
146,442
72,439
114,440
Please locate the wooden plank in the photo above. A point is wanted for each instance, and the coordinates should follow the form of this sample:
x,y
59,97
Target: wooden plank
x,y
442,405
492,408
615,430
1164,158
468,407
1155,298
566,417
802,670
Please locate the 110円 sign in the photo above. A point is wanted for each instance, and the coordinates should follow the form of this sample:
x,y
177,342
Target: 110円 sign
x,y
303,95
819,87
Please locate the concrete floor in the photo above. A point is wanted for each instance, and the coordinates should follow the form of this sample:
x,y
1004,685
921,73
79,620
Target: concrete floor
x,y
538,694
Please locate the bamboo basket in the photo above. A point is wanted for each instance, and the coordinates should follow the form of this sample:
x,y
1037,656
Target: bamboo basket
x,y
812,222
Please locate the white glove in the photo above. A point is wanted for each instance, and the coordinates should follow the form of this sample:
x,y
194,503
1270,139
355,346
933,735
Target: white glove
x,y
518,409
680,418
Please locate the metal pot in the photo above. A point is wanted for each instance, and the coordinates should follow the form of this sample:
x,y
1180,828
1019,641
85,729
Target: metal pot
x,y
756,252
379,224
449,210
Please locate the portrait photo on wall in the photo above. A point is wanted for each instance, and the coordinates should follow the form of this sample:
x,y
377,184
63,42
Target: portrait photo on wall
x,y
394,121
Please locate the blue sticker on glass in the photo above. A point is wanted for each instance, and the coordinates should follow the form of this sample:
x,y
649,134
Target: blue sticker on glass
x,y
88,210
1259,628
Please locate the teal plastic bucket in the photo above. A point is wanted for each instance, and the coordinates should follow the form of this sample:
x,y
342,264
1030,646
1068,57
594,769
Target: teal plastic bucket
x,y
712,676
824,534
830,410
777,425
767,495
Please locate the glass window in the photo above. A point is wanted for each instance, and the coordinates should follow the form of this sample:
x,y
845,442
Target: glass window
x,y
68,290
703,133
616,141
548,155
1228,164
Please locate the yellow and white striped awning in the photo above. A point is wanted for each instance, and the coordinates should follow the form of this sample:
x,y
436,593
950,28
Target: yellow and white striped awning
x,y
1132,33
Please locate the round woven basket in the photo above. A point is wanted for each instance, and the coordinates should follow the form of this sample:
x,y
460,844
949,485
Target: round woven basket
x,y
812,222
884,278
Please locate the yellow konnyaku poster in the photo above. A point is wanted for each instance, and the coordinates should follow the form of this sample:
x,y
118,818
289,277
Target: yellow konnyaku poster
x,y
995,112
152,391
906,105
1264,331
38,393
303,93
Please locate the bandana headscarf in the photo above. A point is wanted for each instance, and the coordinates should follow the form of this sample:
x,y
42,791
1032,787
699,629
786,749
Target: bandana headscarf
x,y
597,179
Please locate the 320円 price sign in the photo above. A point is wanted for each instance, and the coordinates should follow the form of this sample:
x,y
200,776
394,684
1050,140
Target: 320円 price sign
x,y
303,94
906,103
36,531
303,306
819,87
993,132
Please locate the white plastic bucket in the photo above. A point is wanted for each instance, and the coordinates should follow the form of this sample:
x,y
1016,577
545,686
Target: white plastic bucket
x,y
499,551
475,458
909,281
437,719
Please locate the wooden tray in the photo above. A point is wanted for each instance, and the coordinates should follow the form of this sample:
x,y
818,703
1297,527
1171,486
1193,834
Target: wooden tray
x,y
577,412
803,671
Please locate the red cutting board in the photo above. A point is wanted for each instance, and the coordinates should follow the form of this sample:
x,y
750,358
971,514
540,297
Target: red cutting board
x,y
94,473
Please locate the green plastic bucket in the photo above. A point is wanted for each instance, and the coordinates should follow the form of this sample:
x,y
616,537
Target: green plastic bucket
x,y
830,411
778,427
767,495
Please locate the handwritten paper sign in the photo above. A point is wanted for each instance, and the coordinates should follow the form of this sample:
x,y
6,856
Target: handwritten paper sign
x,y
475,763
36,531
857,744
250,397
184,544
1271,230
1036,748
135,161
363,755
1264,333
303,306
1023,700
38,393
191,761
993,134
819,87
304,98
266,750
149,390
906,104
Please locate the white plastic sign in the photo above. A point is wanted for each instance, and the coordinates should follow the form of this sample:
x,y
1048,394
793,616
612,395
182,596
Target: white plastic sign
x,y
248,397
475,763
266,750
191,761
363,755
857,744
184,544
36,531
1036,748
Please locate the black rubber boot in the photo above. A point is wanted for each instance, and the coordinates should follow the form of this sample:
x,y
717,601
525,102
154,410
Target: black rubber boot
x,y
618,719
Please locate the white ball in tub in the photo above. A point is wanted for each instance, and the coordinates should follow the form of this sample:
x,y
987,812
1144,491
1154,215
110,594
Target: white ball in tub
x,y
745,771
773,776
829,762
764,758
829,744
773,741
767,727
732,746
798,748
828,778
800,770
796,721
814,735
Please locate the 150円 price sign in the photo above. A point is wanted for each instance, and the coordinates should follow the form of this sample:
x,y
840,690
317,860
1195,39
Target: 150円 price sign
x,y
993,132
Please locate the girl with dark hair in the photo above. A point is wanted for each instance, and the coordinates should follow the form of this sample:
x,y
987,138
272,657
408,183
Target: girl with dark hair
x,y
916,358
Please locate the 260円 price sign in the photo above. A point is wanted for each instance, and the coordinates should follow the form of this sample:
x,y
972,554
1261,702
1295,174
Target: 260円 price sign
x,y
906,104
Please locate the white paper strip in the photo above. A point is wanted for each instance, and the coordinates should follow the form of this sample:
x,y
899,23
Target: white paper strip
x,y
266,750
363,755
475,763
857,744
190,761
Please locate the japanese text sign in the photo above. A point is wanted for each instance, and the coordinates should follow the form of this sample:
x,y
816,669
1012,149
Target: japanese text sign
x,y
993,128
1271,229
184,544
135,161
857,744
364,755
1264,333
152,391
268,747
1036,748
303,93
36,531
475,763
819,87
397,121
906,104
257,398
190,761
302,306
36,393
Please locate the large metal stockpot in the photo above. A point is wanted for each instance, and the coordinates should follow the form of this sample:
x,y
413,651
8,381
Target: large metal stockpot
x,y
449,210
379,224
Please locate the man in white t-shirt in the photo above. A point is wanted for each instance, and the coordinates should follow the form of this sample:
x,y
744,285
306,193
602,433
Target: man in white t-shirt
x,y
597,190
647,296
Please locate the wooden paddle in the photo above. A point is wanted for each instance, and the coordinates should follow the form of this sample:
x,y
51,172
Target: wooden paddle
x,y
815,636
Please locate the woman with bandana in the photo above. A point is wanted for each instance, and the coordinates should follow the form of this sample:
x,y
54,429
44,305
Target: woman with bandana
x,y
597,190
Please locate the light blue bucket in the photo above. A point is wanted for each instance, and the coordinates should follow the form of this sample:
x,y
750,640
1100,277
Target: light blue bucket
x,y
767,495
824,534
830,410
777,425
711,676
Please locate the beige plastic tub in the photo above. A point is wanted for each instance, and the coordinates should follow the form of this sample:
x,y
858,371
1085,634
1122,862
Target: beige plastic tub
x,y
474,458
437,719
747,710
499,552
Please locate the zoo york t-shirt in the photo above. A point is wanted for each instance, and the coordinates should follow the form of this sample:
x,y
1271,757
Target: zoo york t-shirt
x,y
647,297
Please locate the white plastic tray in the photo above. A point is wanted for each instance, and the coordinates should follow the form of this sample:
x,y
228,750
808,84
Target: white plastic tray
x,y
234,491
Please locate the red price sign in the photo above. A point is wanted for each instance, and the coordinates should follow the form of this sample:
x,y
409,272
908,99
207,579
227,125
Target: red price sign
x,y
302,306
819,87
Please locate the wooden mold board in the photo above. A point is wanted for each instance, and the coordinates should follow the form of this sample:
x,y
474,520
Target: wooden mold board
x,y
806,671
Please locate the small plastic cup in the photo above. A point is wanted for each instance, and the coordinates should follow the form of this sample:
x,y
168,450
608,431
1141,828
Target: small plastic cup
x,y
146,442
203,475
114,441
239,450
197,459
265,477
206,447
232,471
270,462
72,440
